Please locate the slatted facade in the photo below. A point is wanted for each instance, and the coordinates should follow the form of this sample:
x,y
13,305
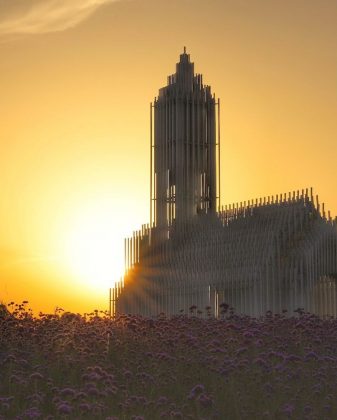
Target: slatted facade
x,y
258,257
276,253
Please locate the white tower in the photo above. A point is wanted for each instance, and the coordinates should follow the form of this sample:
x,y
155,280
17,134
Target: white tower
x,y
185,165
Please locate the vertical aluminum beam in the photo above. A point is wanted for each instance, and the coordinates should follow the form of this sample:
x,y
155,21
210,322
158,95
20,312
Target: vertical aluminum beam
x,y
219,156
151,172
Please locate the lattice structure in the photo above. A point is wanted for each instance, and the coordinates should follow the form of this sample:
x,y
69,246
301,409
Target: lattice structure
x,y
273,254
184,151
281,254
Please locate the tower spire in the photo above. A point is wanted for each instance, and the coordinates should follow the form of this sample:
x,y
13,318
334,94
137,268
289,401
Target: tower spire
x,y
185,164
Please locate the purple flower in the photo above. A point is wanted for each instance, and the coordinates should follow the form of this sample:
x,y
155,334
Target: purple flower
x,y
94,376
195,391
84,407
241,350
162,401
293,358
67,392
32,413
127,373
64,408
15,378
112,390
311,355
93,391
205,400
176,414
36,376
81,395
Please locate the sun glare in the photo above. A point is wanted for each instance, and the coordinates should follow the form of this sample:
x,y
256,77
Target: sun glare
x,y
95,248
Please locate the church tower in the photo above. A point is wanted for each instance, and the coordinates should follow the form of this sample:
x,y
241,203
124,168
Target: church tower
x,y
184,163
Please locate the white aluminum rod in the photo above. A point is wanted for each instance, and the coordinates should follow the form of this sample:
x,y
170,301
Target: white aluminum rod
x,y
151,175
219,166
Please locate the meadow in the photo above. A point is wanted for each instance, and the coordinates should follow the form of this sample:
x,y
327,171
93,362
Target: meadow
x,y
191,366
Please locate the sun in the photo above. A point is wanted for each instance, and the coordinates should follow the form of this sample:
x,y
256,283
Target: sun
x,y
94,247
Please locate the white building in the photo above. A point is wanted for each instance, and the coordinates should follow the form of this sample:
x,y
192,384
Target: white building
x,y
273,254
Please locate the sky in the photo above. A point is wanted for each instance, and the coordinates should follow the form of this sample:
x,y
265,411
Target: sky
x,y
76,82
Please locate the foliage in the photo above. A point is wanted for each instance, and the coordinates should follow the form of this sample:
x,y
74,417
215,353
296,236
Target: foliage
x,y
70,366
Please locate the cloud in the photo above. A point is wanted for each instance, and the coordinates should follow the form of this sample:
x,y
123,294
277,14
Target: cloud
x,y
49,16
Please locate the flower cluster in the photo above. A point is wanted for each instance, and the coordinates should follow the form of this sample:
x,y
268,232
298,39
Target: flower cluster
x,y
66,366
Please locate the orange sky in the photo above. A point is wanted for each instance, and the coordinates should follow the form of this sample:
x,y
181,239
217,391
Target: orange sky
x,y
76,82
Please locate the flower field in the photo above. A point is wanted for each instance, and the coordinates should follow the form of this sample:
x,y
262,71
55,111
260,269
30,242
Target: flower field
x,y
68,366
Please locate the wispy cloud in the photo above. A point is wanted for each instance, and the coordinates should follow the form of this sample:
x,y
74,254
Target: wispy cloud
x,y
49,16
11,257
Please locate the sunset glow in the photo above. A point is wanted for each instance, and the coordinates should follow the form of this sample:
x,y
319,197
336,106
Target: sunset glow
x,y
77,78
94,248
